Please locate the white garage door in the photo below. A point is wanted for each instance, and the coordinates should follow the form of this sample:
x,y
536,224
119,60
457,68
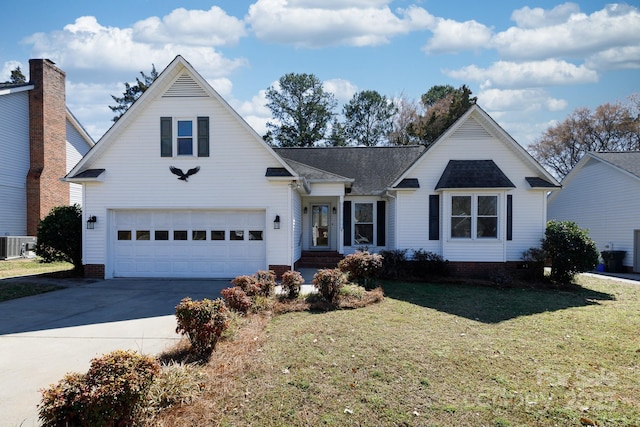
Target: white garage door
x,y
216,244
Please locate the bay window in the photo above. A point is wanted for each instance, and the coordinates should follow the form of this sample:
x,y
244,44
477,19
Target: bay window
x,y
474,217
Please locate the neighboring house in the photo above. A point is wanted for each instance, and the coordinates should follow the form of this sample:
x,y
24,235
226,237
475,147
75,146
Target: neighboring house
x,y
40,141
233,205
602,194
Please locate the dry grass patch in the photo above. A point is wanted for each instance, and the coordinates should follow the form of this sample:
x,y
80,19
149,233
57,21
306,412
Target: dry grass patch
x,y
445,355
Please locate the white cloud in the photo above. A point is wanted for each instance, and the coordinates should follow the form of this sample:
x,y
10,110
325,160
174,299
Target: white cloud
x,y
211,27
538,17
9,66
503,74
88,45
577,36
528,100
627,57
451,36
342,89
312,23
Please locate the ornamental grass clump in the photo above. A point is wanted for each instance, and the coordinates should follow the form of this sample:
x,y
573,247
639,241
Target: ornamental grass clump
x,y
202,322
112,393
328,283
291,283
362,267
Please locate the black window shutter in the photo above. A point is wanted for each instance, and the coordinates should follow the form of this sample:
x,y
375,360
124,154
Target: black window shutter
x,y
434,217
203,136
166,138
382,223
346,222
509,217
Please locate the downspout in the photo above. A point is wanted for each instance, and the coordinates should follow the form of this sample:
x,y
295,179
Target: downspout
x,y
395,210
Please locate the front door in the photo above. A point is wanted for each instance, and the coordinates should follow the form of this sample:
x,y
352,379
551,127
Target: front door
x,y
320,226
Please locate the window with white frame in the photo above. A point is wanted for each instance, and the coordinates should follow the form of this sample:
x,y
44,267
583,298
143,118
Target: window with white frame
x,y
474,217
185,137
364,221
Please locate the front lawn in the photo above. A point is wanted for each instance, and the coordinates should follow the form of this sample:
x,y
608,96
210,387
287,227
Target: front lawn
x,y
26,275
441,355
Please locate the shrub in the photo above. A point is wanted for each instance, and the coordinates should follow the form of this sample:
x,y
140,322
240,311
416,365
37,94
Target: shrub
x,y
112,393
202,322
570,249
361,267
60,236
394,263
291,283
535,259
429,263
249,284
328,283
266,280
237,299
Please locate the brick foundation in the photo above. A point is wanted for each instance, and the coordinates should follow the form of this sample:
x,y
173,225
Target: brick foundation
x,y
485,270
94,271
279,270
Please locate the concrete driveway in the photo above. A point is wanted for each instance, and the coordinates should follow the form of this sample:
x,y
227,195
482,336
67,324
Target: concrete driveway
x,y
45,336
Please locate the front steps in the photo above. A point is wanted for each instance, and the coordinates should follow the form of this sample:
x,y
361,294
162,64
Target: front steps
x,y
318,259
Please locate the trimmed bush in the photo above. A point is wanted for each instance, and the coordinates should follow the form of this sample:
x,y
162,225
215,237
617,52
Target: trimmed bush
x,y
237,299
328,283
249,284
266,281
202,322
570,249
429,263
112,393
60,236
394,264
361,267
291,283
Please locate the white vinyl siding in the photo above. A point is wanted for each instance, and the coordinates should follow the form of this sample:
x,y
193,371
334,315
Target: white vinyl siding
x,y
14,162
472,142
232,178
604,200
76,148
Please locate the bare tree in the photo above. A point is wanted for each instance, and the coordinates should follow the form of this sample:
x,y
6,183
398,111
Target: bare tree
x,y
610,127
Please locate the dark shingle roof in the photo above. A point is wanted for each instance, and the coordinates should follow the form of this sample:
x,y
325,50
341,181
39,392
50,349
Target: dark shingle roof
x,y
537,182
274,172
473,174
372,169
89,173
408,183
626,160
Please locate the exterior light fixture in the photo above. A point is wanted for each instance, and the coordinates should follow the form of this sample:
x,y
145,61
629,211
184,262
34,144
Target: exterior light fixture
x,y
91,222
334,210
276,222
305,210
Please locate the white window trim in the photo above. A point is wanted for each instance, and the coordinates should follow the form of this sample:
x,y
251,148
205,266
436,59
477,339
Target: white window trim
x,y
354,223
474,218
194,136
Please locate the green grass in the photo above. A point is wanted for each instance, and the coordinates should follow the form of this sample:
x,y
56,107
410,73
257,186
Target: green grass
x,y
450,355
25,275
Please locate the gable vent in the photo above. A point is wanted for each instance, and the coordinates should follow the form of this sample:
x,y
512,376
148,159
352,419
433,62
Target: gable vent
x,y
185,87
471,129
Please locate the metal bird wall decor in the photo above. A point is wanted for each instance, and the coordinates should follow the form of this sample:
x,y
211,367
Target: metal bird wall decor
x,y
184,176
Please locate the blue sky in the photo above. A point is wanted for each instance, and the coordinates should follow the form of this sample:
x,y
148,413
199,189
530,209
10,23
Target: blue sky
x,y
530,63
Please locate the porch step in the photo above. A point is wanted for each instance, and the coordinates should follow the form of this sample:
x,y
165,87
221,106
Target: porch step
x,y
319,259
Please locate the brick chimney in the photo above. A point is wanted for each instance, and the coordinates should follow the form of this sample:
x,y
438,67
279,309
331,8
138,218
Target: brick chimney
x,y
47,142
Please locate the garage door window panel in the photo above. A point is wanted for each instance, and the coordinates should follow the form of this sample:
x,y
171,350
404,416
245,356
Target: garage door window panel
x,y
180,235
161,235
236,235
217,235
124,234
143,235
198,235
